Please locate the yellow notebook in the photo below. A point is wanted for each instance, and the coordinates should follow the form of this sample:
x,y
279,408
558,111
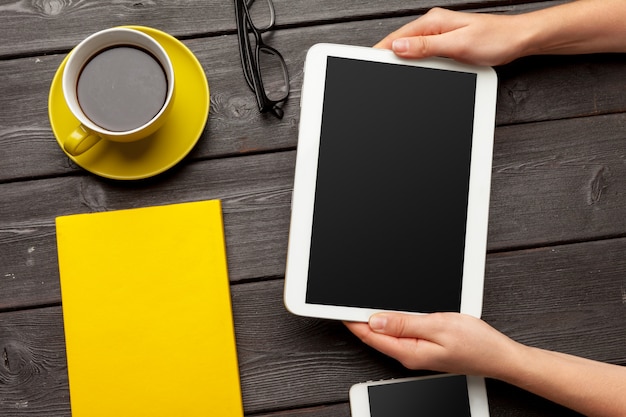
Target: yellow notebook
x,y
147,313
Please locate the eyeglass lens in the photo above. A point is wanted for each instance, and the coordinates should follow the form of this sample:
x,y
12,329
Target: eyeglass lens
x,y
261,14
273,74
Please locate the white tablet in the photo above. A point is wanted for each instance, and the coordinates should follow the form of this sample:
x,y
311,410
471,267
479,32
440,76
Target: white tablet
x,y
391,190
434,396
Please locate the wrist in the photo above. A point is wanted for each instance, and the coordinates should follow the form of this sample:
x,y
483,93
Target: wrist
x,y
516,366
583,26
533,33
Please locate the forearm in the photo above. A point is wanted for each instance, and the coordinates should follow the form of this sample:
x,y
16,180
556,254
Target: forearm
x,y
592,388
583,26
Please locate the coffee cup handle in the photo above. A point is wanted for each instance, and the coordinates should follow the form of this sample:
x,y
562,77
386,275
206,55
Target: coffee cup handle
x,y
80,140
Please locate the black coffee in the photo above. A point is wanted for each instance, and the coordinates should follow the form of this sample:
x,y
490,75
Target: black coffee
x,y
122,88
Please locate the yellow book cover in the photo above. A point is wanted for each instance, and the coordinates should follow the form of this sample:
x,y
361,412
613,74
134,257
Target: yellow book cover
x,y
147,313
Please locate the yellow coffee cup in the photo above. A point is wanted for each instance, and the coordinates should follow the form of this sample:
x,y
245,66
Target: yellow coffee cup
x,y
119,84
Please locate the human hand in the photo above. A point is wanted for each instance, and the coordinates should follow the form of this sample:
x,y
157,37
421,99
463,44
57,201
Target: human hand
x,y
481,39
444,342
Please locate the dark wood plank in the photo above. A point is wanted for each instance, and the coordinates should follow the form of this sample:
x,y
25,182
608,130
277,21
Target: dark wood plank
x,y
554,87
569,298
335,410
33,367
64,22
558,181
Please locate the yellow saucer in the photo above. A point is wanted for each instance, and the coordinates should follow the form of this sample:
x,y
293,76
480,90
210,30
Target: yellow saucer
x,y
167,146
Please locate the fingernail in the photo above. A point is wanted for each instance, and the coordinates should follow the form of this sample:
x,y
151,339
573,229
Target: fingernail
x,y
377,323
400,45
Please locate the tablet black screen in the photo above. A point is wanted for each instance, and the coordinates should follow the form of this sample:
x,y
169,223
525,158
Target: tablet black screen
x,y
392,185
433,397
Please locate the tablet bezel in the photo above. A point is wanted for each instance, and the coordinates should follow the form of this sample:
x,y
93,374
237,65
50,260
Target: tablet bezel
x,y
476,392
303,198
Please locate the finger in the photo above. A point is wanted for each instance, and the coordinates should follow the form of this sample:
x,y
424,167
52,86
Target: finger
x,y
387,344
374,339
410,352
420,47
434,22
359,329
420,326
381,342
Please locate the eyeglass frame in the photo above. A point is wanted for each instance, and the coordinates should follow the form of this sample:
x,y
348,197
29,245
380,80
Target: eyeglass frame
x,y
250,60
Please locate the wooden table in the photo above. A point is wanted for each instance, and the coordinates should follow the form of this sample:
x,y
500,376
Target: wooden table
x,y
556,264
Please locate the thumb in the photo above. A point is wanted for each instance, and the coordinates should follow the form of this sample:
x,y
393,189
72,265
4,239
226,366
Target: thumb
x,y
401,325
418,46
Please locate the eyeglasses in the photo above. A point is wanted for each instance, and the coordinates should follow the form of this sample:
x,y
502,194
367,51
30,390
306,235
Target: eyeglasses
x,y
263,66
